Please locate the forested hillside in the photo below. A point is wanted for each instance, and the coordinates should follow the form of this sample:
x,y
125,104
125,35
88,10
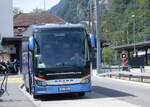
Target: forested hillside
x,y
122,22
72,11
118,22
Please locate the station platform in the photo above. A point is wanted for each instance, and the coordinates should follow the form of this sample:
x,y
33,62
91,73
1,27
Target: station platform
x,y
14,97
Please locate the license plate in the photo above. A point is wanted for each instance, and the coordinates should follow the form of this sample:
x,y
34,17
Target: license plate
x,y
64,89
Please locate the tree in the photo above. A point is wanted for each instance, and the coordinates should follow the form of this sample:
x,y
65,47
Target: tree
x,y
37,10
106,55
17,11
117,24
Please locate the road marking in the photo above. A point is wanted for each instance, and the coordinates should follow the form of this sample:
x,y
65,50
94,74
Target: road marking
x,y
16,79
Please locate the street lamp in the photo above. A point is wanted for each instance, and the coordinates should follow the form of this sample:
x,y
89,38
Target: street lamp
x,y
133,16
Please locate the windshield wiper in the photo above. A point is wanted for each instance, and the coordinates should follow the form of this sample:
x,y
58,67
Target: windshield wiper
x,y
60,64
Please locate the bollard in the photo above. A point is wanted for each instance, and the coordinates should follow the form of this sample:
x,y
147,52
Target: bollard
x,y
119,68
130,77
110,69
141,68
110,75
129,68
119,75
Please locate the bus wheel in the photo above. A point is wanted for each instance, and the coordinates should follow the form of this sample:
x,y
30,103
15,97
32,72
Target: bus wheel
x,y
35,96
81,94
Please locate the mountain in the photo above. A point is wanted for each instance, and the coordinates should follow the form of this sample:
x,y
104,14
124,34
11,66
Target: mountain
x,y
72,11
57,7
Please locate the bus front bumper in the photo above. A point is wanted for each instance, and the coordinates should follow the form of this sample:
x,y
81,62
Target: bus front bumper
x,y
59,89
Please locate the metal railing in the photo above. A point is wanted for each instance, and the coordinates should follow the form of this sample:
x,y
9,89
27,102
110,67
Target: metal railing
x,y
119,73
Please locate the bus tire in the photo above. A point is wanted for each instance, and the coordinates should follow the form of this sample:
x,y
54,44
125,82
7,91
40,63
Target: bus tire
x,y
35,96
81,94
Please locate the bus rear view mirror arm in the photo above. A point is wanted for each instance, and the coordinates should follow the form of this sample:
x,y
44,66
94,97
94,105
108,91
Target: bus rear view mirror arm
x,y
32,43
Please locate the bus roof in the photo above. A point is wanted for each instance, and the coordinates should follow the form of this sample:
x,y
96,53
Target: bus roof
x,y
49,26
30,29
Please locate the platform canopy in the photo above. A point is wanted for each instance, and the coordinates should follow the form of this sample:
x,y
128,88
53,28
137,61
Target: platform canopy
x,y
129,47
11,40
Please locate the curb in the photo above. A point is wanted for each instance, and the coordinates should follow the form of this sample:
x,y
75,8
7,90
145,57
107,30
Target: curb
x,y
28,95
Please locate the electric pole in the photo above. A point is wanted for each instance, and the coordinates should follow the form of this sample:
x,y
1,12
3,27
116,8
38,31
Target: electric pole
x,y
92,17
44,5
99,7
89,11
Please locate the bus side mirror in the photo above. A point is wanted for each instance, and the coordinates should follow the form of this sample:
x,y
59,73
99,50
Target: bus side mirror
x,y
31,43
92,40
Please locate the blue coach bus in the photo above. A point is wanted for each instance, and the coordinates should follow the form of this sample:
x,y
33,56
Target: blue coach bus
x,y
56,59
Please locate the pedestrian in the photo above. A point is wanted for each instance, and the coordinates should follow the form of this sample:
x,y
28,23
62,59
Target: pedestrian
x,y
17,65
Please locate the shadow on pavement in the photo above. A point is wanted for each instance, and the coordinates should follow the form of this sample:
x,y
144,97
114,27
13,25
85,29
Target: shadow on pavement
x,y
110,92
4,100
100,92
57,97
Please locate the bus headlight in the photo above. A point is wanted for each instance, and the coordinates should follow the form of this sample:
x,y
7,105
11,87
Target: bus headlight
x,y
41,83
85,80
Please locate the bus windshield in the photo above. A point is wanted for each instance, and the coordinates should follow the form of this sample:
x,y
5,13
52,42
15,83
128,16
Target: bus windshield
x,y
61,47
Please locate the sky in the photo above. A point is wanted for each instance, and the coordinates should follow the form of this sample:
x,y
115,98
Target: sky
x,y
28,5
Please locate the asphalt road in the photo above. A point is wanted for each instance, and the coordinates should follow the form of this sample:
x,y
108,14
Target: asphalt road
x,y
131,92
106,92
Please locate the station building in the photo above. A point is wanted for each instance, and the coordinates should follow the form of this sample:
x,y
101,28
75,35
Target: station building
x,y
6,27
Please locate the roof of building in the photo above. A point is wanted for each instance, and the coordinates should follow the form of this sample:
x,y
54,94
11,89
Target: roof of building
x,y
139,45
27,19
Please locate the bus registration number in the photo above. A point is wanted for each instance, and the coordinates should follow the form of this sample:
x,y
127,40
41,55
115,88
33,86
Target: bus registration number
x,y
64,89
